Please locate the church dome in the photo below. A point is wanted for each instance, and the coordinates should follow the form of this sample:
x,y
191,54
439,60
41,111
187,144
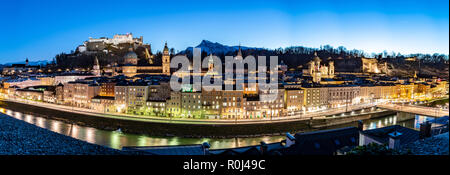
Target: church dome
x,y
131,55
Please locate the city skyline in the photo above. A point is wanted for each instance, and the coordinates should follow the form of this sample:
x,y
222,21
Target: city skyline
x,y
402,27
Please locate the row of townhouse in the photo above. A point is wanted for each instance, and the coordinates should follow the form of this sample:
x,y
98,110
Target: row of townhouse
x,y
157,99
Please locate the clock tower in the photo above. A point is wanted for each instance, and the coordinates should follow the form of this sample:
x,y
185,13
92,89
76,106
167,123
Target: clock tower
x,y
166,60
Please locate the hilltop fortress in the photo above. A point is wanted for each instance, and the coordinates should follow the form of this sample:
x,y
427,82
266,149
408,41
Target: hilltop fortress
x,y
102,43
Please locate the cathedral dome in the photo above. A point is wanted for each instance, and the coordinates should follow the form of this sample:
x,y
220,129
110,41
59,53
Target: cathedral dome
x,y
130,58
131,55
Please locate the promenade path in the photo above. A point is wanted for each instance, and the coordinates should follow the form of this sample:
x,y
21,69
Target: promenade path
x,y
337,112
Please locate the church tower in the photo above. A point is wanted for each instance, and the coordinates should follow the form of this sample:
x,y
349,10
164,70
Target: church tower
x,y
96,68
166,60
210,63
316,70
331,69
239,58
239,54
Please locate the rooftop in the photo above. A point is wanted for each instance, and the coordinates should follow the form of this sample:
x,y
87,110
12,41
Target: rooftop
x,y
324,142
382,134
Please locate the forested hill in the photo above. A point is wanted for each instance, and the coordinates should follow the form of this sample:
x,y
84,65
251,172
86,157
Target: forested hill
x,y
295,57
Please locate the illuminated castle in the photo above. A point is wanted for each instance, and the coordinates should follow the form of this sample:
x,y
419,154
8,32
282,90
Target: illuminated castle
x,y
371,65
101,44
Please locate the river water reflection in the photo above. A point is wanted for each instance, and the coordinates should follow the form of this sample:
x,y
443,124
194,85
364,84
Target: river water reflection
x,y
117,140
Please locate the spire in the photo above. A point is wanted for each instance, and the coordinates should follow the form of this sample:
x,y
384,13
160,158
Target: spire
x,y
239,51
210,60
165,46
316,58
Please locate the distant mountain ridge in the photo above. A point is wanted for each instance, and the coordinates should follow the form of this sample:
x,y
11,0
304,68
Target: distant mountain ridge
x,y
31,63
216,48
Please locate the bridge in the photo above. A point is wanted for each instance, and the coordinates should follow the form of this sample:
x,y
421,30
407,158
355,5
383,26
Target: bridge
x,y
421,110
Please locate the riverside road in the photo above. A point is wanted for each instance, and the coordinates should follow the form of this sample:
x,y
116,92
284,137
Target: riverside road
x,y
336,112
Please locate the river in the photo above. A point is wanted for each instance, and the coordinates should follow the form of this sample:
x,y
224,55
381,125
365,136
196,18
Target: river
x,y
117,140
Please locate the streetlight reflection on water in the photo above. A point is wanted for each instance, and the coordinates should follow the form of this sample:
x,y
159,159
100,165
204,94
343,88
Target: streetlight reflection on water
x,y
29,119
74,131
55,126
117,140
40,122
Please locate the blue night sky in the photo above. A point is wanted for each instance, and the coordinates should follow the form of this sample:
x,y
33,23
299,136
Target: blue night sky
x,y
39,29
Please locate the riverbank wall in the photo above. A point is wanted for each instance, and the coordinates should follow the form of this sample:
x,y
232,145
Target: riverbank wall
x,y
332,121
185,130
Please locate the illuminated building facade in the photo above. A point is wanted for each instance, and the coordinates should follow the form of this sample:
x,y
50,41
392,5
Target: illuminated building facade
x,y
211,104
404,91
272,108
191,105
343,95
80,93
59,94
107,89
232,104
315,98
252,108
173,104
121,97
137,96
47,81
35,95
159,91
294,99
155,108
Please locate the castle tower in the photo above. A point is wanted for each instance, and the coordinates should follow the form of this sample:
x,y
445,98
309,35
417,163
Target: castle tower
x,y
166,60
